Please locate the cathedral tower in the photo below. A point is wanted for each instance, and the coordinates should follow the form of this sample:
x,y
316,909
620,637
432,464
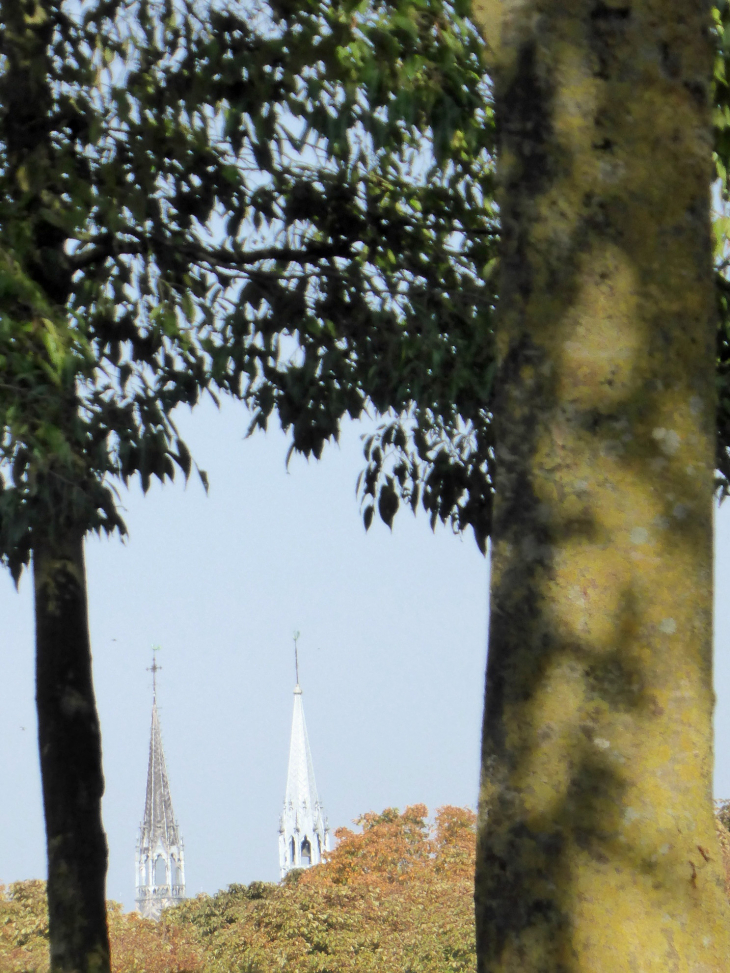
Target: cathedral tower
x,y
160,859
303,830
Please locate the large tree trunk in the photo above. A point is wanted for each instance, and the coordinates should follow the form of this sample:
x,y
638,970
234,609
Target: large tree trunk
x,y
70,750
597,849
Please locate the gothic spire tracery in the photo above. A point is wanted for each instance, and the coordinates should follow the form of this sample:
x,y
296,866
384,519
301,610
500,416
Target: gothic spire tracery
x,y
303,829
160,859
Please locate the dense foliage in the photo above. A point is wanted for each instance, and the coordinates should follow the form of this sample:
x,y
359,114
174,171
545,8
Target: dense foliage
x,y
294,205
394,896
445,456
287,203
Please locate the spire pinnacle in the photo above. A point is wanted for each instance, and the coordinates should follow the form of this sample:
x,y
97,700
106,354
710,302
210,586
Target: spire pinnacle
x,y
154,669
296,655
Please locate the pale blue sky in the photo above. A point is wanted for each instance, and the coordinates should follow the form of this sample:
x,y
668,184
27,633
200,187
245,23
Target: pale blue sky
x,y
392,652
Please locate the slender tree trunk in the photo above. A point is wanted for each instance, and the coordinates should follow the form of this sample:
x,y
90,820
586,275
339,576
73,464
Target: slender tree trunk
x,y
597,850
70,750
68,724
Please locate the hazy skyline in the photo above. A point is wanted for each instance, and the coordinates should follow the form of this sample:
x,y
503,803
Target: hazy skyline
x,y
392,653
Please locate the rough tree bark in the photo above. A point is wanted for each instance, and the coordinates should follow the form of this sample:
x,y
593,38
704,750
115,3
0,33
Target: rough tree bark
x,y
597,848
68,724
69,739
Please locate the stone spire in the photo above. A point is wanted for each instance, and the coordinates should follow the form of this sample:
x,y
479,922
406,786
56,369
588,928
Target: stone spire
x,y
160,859
303,830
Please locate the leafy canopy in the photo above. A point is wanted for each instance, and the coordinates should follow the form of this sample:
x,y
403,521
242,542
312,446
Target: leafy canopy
x,y
289,203
446,457
395,895
285,202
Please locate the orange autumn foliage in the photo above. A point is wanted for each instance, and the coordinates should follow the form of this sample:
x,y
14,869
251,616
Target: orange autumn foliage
x,y
142,946
394,847
23,927
394,896
138,945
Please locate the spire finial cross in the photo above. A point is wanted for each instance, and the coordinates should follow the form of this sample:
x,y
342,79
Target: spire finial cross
x,y
296,655
154,669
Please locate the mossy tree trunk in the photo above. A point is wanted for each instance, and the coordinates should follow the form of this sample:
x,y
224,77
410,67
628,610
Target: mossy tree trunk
x,y
69,739
597,848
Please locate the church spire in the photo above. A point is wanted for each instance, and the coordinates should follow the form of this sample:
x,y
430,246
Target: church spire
x,y
160,859
303,830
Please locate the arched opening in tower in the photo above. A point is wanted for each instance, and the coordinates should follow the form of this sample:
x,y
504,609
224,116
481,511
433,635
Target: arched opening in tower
x,y
160,871
306,853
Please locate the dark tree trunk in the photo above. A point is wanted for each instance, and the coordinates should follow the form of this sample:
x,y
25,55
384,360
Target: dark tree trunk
x,y
68,724
69,739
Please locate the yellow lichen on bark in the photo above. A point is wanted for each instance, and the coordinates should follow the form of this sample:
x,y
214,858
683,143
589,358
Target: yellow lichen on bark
x,y
597,841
